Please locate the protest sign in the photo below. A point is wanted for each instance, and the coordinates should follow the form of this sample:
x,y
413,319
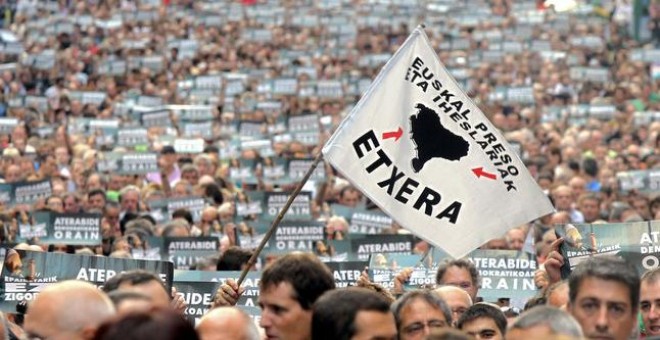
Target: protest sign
x,y
182,145
369,222
26,273
296,236
505,274
139,164
636,242
643,181
30,192
185,252
130,137
463,184
347,273
301,209
363,247
63,228
383,269
198,288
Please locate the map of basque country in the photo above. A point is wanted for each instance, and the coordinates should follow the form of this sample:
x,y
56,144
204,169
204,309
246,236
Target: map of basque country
x,y
432,139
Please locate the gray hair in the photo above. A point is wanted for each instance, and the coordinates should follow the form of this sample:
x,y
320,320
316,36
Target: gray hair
x,y
127,189
426,296
559,322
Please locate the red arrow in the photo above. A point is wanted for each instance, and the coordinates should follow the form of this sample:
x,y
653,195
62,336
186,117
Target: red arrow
x,y
480,172
393,134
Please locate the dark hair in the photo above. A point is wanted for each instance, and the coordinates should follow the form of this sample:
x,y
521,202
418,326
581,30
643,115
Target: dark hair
x,y
483,310
608,268
233,258
460,263
308,276
213,192
134,278
184,214
162,325
590,167
119,296
335,312
429,297
97,192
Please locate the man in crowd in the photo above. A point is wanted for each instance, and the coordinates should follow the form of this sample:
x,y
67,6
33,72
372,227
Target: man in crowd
x,y
459,273
417,313
564,199
649,301
287,290
456,298
352,313
145,283
227,323
67,310
483,321
544,322
604,297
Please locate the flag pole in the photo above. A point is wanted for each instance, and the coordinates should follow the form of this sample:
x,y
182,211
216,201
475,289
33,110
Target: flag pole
x,y
278,219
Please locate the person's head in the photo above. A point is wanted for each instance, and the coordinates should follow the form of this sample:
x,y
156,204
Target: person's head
x,y
456,298
349,196
143,282
544,322
190,173
460,273
604,297
176,228
563,197
71,203
483,321
589,206
13,174
168,157
159,324
227,323
95,181
129,199
129,302
55,203
515,238
62,155
417,313
649,301
68,310
234,258
557,294
288,289
352,314
96,199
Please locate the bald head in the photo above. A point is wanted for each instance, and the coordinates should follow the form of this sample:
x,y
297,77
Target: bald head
x,y
73,309
227,323
456,298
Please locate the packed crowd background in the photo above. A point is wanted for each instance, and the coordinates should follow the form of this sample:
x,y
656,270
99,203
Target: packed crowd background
x,y
115,107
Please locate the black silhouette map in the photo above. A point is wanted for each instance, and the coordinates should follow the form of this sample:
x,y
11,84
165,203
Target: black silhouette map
x,y
433,140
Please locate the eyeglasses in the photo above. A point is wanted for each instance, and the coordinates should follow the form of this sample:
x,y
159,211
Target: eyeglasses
x,y
418,327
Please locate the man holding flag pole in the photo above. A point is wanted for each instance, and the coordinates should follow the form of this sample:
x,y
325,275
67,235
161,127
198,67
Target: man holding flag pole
x,y
422,151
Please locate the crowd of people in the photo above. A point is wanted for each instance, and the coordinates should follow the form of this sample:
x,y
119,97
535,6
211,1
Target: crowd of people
x,y
222,97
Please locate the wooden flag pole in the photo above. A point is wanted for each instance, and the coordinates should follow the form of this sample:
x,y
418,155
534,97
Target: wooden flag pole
x,y
278,219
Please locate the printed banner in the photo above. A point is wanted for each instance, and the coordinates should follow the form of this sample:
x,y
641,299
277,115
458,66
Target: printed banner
x,y
26,273
636,242
185,252
55,228
198,288
364,247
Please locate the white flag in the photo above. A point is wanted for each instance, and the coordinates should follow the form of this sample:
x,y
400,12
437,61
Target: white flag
x,y
419,148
